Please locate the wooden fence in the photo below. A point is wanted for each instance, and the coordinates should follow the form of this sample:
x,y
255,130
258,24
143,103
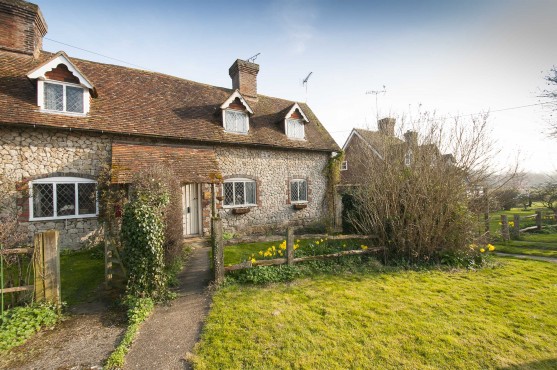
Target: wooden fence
x,y
46,266
509,232
218,250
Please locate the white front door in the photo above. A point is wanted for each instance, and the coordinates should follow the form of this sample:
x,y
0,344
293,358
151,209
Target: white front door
x,y
190,200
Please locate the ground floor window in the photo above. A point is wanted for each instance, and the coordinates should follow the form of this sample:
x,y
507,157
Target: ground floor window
x,y
239,192
298,191
63,197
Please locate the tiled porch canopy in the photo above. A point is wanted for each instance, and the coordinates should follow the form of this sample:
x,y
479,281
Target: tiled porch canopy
x,y
190,165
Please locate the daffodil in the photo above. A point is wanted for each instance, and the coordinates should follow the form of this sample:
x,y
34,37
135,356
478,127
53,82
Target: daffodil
x,y
482,250
260,253
490,247
317,242
253,260
364,247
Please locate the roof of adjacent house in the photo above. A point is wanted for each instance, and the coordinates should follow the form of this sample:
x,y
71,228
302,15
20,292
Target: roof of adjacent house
x,y
375,139
137,102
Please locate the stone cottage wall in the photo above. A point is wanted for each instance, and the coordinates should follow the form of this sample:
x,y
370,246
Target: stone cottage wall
x,y
26,154
272,169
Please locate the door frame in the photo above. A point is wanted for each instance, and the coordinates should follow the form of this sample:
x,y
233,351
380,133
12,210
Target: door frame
x,y
197,187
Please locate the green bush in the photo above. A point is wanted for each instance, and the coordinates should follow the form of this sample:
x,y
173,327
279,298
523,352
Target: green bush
x,y
20,323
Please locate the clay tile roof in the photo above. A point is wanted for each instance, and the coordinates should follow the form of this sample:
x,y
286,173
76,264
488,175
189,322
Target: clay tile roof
x,y
188,164
378,140
137,102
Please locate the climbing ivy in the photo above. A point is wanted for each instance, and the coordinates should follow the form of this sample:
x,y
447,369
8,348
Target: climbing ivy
x,y
143,241
332,170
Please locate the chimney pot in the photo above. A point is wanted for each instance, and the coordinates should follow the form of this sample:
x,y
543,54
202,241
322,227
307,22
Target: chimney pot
x,y
244,78
411,137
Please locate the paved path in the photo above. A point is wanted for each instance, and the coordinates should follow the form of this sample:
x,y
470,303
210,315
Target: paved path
x,y
528,257
172,331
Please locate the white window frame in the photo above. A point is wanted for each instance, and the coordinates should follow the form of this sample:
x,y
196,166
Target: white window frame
x,y
234,181
237,111
42,104
299,122
290,191
344,166
62,180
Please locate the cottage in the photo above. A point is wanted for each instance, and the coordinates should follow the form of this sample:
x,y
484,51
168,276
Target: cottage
x,y
62,118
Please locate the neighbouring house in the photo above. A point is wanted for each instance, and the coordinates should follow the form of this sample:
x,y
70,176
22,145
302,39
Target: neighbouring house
x,y
62,118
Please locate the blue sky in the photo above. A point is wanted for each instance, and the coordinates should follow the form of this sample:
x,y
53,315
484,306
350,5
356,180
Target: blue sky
x,y
455,57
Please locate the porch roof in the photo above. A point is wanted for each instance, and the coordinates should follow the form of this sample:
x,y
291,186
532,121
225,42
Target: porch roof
x,y
190,165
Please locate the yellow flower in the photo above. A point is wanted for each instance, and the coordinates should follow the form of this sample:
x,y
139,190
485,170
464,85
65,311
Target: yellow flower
x,y
295,246
298,240
490,247
473,246
364,247
317,242
321,240
273,248
280,252
482,250
253,260
344,246
260,253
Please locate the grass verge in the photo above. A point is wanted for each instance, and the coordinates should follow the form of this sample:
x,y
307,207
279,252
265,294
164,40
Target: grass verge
x,y
81,273
139,309
502,317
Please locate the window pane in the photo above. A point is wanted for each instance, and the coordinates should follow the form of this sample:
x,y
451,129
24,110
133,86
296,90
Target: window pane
x,y
228,193
250,192
65,199
239,193
236,121
294,191
302,191
43,205
53,96
87,197
74,99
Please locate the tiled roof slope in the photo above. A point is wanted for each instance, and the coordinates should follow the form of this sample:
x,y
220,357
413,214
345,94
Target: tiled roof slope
x,y
188,164
377,139
132,101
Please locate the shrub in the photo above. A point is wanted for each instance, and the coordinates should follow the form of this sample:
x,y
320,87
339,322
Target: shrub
x,y
143,239
20,323
507,198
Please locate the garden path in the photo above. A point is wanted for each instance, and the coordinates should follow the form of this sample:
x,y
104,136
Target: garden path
x,y
172,331
528,257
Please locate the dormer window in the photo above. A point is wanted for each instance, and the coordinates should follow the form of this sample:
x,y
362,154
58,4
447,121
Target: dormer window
x,y
61,87
294,123
235,114
63,97
295,128
236,121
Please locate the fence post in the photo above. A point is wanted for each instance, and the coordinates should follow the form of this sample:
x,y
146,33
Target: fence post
x,y
47,267
290,245
516,228
505,228
539,219
218,250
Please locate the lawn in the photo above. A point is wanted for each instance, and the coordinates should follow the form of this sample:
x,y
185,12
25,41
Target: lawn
x,y
81,272
503,317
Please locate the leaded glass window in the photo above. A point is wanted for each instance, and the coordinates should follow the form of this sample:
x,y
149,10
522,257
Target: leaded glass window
x,y
295,128
63,197
63,98
239,192
235,121
298,191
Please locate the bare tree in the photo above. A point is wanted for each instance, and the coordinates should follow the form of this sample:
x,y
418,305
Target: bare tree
x,y
414,195
551,94
11,233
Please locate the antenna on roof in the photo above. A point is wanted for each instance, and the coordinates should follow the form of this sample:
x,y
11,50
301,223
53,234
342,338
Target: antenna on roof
x,y
253,58
305,83
377,92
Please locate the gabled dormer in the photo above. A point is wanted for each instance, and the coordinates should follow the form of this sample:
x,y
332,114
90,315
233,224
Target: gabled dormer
x,y
61,87
235,114
294,123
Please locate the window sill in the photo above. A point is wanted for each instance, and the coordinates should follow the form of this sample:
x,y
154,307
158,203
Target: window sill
x,y
296,138
300,205
60,218
239,206
240,211
62,113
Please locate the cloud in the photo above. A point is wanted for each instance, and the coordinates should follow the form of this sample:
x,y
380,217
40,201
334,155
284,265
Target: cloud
x,y
296,19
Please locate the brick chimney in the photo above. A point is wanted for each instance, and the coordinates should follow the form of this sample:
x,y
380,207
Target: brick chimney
x,y
411,138
244,78
387,126
22,27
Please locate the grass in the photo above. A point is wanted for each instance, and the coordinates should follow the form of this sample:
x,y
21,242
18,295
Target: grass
x,y
81,272
543,245
238,253
503,317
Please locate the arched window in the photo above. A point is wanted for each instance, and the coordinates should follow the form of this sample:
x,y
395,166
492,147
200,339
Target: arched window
x,y
55,198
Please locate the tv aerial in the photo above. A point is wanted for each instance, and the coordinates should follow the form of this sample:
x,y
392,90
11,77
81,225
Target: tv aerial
x,y
376,93
305,84
253,58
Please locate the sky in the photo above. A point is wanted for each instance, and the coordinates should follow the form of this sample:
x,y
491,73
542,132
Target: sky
x,y
454,58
